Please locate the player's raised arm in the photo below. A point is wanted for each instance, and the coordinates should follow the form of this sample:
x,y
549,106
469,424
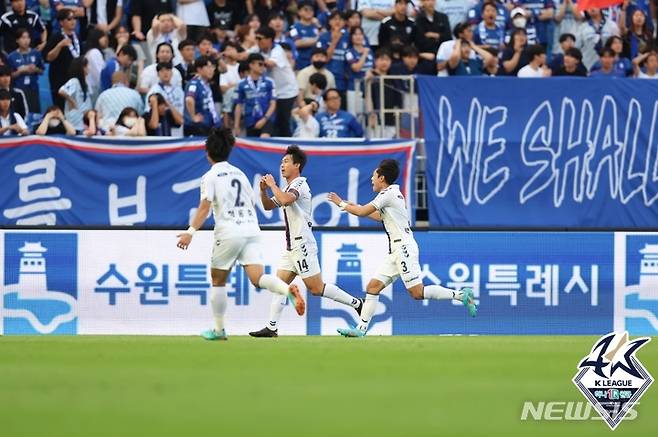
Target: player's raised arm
x,y
268,203
283,198
353,208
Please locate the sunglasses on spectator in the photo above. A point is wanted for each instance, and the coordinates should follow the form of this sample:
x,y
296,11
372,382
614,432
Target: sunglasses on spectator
x,y
260,64
70,18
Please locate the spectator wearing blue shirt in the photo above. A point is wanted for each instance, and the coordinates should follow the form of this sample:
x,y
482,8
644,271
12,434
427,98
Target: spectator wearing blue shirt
x,y
488,32
638,37
122,62
461,63
360,60
520,21
628,8
200,113
27,65
336,123
256,98
305,35
336,42
475,13
607,70
623,64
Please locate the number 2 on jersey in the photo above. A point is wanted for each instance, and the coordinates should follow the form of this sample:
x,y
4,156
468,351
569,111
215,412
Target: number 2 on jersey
x,y
238,186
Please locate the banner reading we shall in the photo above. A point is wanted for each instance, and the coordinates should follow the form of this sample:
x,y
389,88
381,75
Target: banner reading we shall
x,y
155,182
541,152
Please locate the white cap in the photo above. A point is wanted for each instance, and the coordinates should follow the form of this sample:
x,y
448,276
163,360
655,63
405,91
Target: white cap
x,y
517,11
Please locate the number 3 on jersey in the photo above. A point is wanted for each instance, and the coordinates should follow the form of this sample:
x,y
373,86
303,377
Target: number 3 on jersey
x,y
238,187
302,265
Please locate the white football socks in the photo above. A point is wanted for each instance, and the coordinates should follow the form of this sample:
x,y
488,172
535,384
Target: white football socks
x,y
274,284
441,293
368,310
218,302
276,308
332,292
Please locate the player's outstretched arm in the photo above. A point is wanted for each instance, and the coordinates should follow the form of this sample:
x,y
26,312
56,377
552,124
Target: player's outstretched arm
x,y
185,238
268,204
352,208
284,198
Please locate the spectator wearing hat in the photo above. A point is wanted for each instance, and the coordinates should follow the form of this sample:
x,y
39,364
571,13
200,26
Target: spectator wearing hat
x,y
540,15
515,56
166,28
571,64
115,99
281,72
336,43
122,62
256,100
162,119
173,94
463,32
200,113
228,12
318,66
334,122
489,33
567,20
397,30
305,34
11,123
519,20
22,18
536,67
60,50
432,29
19,102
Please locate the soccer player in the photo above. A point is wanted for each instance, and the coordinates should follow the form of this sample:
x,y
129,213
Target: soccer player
x,y
301,254
237,235
389,207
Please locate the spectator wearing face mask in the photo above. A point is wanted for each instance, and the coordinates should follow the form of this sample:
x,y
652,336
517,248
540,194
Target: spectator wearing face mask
x,y
318,65
129,124
54,123
540,14
520,21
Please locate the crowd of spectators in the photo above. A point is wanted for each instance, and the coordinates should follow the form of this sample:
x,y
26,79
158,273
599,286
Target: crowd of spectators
x,y
285,67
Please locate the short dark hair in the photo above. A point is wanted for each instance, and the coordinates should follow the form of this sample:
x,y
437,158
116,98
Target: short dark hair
x,y
326,93
243,67
255,57
489,3
202,61
574,53
185,43
380,53
390,169
219,144
266,32
409,52
5,94
535,50
164,65
20,31
206,36
129,51
5,70
607,52
566,36
64,13
298,156
335,13
319,80
318,50
459,28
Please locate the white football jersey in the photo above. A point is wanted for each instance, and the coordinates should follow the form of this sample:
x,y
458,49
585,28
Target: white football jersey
x,y
393,208
232,197
297,216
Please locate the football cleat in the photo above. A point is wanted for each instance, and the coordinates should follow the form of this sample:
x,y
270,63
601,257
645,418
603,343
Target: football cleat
x,y
265,333
351,332
469,301
296,299
211,334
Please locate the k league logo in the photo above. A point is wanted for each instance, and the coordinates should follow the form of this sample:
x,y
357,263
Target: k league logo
x,y
612,378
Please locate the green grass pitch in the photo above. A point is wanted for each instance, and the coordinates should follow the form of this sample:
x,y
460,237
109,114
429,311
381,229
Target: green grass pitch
x,y
297,386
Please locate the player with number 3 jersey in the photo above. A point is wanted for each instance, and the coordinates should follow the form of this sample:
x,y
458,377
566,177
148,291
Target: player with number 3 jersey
x,y
227,190
389,207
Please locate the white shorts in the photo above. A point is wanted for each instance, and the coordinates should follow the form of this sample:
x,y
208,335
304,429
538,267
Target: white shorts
x,y
402,262
226,252
302,260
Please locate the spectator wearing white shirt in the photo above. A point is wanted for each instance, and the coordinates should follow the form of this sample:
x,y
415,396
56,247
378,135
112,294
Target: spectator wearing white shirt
x,y
593,34
462,31
281,72
307,126
113,100
105,15
149,77
166,28
174,96
649,61
373,12
536,67
318,66
11,123
195,15
76,94
97,41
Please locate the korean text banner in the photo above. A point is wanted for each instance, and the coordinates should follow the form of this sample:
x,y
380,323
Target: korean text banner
x,y
564,153
138,282
77,181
